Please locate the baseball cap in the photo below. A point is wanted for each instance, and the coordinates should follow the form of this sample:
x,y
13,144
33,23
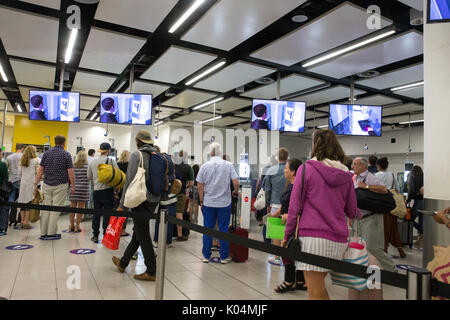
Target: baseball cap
x,y
105,146
145,137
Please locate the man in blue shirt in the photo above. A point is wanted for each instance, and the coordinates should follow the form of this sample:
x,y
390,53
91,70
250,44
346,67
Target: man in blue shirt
x,y
213,181
57,167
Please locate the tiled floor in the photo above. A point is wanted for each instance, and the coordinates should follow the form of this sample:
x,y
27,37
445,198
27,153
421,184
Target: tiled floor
x,y
41,272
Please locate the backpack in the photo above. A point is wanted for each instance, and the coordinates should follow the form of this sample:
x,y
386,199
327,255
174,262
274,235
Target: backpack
x,y
161,174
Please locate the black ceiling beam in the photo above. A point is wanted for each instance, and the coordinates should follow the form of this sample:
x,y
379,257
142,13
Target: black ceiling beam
x,y
86,19
10,87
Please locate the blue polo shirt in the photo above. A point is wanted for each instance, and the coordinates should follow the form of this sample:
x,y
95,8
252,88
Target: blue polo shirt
x,y
56,162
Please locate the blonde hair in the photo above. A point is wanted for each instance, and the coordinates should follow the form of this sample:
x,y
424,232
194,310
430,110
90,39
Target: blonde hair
x,y
124,156
81,160
28,154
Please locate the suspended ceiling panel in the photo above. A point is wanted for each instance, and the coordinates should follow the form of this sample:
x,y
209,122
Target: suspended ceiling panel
x,y
54,4
395,78
165,112
409,107
25,92
290,84
243,126
416,4
327,95
147,88
341,25
29,36
141,14
88,102
188,98
317,123
2,95
245,114
377,100
230,22
398,48
233,76
83,115
404,118
91,83
194,116
414,93
108,51
32,74
177,64
229,105
228,121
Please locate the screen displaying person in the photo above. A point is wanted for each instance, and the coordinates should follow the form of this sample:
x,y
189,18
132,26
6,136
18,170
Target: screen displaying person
x,y
260,111
108,115
37,102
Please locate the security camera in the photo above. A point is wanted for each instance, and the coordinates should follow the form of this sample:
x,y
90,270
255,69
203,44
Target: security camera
x,y
106,133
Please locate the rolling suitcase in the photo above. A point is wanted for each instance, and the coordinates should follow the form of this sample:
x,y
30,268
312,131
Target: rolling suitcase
x,y
405,230
237,252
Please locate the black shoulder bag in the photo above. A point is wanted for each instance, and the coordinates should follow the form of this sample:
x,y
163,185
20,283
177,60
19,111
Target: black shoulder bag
x,y
375,202
294,242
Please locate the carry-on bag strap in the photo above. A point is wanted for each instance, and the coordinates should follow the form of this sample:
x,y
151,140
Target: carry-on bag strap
x,y
301,201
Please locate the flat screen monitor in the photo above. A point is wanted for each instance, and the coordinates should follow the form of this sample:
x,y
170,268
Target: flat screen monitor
x,y
126,108
54,106
355,120
285,116
438,11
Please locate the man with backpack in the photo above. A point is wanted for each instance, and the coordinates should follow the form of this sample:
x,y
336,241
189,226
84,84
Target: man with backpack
x,y
141,231
103,193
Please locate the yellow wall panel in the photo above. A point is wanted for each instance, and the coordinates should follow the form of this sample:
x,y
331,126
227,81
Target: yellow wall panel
x,y
33,131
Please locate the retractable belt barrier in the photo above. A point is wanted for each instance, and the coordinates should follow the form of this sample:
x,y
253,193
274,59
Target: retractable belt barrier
x,y
437,288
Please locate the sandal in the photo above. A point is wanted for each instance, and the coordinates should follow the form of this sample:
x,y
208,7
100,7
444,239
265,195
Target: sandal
x,y
285,287
77,229
301,286
72,229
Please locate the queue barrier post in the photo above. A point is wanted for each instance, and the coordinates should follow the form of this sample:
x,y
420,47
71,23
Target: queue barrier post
x,y
419,284
161,259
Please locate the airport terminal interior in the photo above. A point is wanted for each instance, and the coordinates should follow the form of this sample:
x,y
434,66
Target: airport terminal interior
x,y
254,76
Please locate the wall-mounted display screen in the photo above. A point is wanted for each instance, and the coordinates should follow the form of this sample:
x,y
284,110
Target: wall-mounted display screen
x,y
438,11
54,106
126,108
286,116
355,120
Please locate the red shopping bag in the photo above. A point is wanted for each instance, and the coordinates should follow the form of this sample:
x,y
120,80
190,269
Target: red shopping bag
x,y
111,239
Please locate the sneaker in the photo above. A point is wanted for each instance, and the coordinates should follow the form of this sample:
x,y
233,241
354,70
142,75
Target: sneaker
x,y
116,262
145,276
155,245
275,261
418,243
94,239
205,260
227,260
27,226
134,257
18,227
170,245
45,237
54,237
2,233
215,248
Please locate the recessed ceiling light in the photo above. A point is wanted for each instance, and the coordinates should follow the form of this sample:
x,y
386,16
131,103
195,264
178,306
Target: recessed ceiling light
x,y
368,74
265,80
299,18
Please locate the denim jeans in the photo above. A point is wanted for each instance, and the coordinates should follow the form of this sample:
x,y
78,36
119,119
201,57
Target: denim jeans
x,y
171,210
141,238
210,216
4,218
418,205
13,197
103,199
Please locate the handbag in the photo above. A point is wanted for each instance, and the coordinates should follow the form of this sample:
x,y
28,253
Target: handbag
x,y
5,189
38,198
356,253
110,175
137,190
111,239
260,202
439,266
294,242
400,208
375,202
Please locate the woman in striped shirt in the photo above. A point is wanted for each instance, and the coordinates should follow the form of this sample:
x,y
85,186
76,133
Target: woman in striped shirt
x,y
81,195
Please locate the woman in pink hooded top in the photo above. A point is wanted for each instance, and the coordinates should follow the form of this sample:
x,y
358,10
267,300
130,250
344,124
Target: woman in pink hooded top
x,y
328,199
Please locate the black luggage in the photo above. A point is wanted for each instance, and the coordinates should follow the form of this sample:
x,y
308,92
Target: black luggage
x,y
405,230
186,217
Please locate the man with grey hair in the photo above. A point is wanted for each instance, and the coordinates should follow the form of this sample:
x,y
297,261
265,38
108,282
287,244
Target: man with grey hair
x,y
372,225
213,181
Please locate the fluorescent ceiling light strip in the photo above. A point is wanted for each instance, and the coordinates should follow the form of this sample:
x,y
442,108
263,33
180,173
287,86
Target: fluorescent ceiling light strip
x,y
186,15
347,49
321,127
217,66
2,72
93,116
19,108
212,119
73,36
408,86
207,103
415,121
158,123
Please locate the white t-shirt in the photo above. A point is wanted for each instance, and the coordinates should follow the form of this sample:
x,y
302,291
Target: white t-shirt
x,y
13,165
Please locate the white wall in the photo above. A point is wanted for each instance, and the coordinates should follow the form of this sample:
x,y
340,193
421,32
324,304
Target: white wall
x,y
437,110
94,134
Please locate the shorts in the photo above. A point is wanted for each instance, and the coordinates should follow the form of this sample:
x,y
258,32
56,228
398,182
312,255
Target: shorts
x,y
321,247
181,203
